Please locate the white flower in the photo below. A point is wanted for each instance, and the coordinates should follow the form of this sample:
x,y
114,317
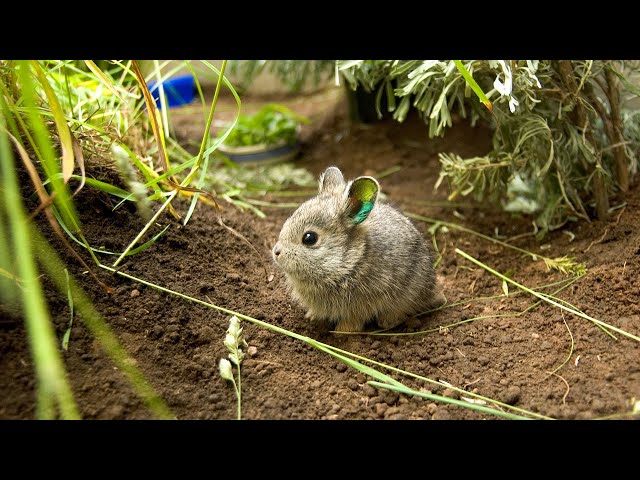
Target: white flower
x,y
505,88
225,369
513,103
230,342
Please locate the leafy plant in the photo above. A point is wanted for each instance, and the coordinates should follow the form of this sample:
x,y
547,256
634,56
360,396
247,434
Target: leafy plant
x,y
233,340
563,144
272,124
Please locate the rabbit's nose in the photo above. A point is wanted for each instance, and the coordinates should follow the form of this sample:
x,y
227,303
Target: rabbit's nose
x,y
277,250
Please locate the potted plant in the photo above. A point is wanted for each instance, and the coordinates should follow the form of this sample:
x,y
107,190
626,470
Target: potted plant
x,y
269,135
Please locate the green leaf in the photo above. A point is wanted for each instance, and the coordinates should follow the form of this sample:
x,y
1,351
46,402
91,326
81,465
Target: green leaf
x,y
473,84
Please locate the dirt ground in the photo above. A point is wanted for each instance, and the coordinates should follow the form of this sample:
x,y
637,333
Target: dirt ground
x,y
543,360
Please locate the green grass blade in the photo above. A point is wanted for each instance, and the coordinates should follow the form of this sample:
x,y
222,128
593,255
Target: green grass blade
x,y
546,298
452,401
104,79
45,147
54,267
133,251
205,140
67,333
100,185
473,84
68,162
50,373
336,352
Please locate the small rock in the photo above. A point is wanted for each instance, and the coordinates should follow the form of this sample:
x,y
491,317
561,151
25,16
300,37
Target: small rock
x,y
449,392
397,416
252,351
135,293
441,414
435,361
369,391
586,415
483,360
609,376
341,367
376,344
468,341
235,277
352,384
381,408
360,378
391,398
511,395
332,417
156,332
391,411
598,405
431,408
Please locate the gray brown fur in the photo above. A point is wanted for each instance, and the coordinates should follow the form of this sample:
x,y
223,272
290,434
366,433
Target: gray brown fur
x,y
379,269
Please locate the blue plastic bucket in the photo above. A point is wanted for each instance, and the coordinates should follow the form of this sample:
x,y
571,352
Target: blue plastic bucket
x,y
178,91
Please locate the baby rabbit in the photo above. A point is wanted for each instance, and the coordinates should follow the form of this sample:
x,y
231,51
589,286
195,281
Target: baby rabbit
x,y
349,259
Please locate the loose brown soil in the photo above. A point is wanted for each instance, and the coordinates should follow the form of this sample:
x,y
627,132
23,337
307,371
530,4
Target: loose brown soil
x,y
544,360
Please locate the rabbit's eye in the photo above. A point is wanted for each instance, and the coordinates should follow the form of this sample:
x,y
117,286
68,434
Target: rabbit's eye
x,y
309,238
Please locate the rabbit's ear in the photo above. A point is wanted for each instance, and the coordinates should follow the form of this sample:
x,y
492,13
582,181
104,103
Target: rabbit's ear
x,y
362,196
331,180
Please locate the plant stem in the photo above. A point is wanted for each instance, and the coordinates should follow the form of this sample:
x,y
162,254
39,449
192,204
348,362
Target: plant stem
x,y
50,372
239,394
546,298
334,351
616,127
565,69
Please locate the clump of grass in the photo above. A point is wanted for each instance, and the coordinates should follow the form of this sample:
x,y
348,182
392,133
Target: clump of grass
x,y
63,116
233,340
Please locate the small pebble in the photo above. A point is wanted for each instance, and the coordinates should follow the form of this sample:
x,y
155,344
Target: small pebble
x,y
597,405
341,367
352,384
482,360
252,351
511,395
441,414
360,378
468,341
449,392
431,408
381,408
391,398
135,293
369,391
391,411
233,276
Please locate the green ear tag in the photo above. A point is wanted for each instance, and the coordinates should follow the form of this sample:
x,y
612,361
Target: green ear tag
x,y
362,197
